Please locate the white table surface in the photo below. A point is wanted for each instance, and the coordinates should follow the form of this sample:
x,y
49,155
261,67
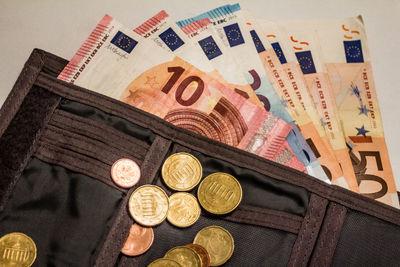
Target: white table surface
x,y
61,27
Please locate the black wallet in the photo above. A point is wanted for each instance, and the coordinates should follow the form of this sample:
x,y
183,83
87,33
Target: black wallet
x,y
58,142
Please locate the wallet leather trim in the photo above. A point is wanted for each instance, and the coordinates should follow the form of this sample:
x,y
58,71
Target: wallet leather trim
x,y
220,151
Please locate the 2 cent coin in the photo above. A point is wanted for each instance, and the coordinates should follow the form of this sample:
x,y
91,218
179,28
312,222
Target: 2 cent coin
x,y
125,172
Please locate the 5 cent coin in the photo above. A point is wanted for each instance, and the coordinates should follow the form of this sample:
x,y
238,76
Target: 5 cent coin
x,y
148,205
139,240
203,253
185,256
164,263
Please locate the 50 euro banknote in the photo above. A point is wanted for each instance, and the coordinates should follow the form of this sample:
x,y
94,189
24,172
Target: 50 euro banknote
x,y
316,112
119,63
346,57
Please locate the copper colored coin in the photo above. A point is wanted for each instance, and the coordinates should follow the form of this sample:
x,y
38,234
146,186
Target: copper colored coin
x,y
139,240
203,253
125,173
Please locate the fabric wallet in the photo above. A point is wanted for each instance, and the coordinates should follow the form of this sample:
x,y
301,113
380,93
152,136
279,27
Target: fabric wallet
x,y
58,142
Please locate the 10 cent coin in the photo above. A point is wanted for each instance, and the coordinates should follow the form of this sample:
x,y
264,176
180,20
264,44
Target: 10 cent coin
x,y
184,210
181,171
17,249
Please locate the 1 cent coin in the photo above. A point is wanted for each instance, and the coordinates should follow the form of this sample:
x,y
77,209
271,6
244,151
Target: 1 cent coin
x,y
164,263
219,193
181,171
148,205
184,210
203,253
218,242
125,173
185,256
17,249
139,240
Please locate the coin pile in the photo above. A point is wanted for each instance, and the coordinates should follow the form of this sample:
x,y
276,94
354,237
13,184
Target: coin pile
x,y
212,246
149,205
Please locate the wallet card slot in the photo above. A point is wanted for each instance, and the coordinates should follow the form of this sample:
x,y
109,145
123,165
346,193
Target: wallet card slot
x,y
99,132
89,147
74,161
266,218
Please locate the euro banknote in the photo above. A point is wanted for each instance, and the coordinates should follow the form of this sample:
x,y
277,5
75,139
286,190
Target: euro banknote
x,y
346,58
229,26
189,51
310,120
121,64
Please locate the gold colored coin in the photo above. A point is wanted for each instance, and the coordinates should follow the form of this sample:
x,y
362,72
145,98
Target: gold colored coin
x,y
164,263
184,210
185,256
17,249
219,193
181,171
148,205
218,242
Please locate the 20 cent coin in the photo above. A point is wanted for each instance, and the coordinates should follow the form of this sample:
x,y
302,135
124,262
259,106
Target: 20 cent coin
x,y
148,205
218,242
219,193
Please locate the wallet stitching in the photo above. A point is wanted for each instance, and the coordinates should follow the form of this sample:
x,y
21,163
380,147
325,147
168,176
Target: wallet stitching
x,y
53,149
308,231
90,153
312,185
91,123
329,236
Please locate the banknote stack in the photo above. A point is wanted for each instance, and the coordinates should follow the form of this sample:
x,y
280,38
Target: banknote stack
x,y
300,93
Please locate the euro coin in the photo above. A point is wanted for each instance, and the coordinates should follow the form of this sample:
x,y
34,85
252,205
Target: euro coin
x,y
125,173
148,205
184,210
17,249
219,193
185,256
181,171
218,242
203,253
138,241
164,263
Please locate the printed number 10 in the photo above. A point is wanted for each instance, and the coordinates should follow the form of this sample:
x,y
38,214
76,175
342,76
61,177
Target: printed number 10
x,y
177,73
